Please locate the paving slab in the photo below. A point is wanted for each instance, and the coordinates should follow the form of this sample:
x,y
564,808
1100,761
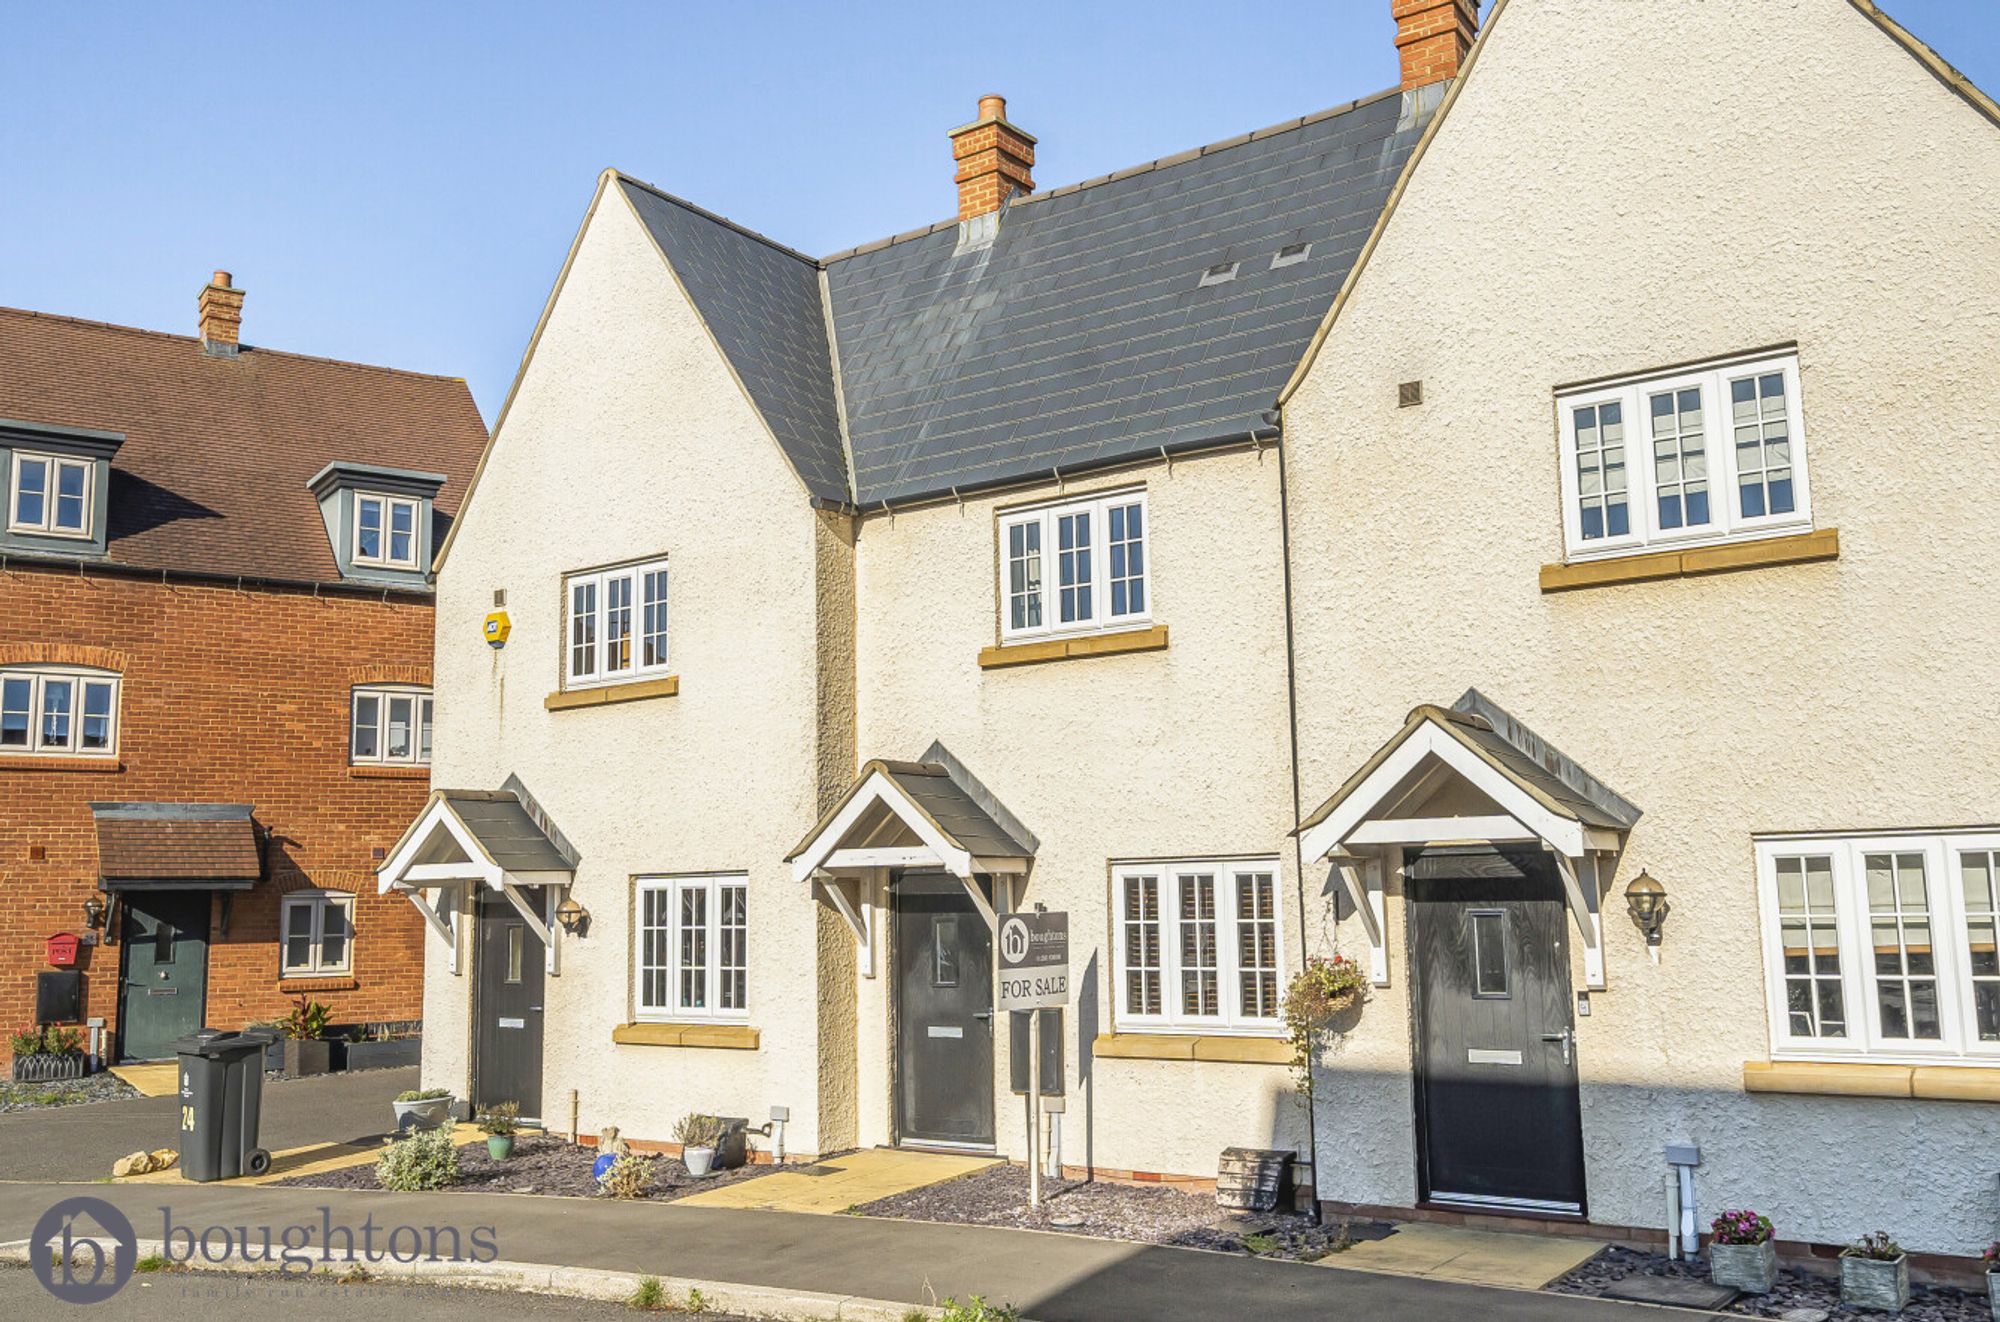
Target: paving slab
x,y
838,1183
158,1079
1474,1257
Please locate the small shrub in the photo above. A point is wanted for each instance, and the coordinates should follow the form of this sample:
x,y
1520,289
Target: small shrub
x,y
976,1309
423,1094
308,1018
1876,1246
30,1040
1741,1226
152,1262
696,1301
650,1297
426,1159
697,1131
1991,1258
500,1119
629,1177
1259,1244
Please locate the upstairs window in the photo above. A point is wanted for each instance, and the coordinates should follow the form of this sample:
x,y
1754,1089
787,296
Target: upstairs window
x,y
616,624
51,495
1696,456
385,530
391,726
1075,567
1883,947
58,711
1197,946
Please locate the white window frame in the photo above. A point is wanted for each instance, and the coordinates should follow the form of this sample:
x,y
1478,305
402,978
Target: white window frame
x,y
673,888
1100,619
46,526
1229,878
320,902
1942,851
390,504
81,679
635,578
423,711
1726,522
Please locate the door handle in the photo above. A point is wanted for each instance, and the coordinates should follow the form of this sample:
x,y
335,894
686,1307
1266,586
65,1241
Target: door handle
x,y
982,1014
1565,1037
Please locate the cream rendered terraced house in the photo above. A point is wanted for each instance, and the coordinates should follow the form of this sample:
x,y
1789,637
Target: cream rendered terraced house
x,y
1392,532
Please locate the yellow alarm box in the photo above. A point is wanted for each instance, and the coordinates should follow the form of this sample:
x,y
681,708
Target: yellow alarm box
x,y
498,626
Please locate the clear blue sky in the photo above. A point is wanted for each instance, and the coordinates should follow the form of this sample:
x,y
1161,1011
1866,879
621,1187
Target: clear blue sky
x,y
397,183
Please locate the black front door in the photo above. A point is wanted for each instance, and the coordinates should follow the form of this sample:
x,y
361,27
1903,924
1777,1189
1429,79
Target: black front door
x,y
1497,1113
164,971
507,1060
944,1014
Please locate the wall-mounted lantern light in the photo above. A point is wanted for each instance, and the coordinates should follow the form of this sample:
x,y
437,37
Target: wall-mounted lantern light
x,y
575,919
1647,899
93,913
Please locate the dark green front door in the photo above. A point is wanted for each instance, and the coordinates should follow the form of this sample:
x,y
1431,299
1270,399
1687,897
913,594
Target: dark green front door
x,y
165,937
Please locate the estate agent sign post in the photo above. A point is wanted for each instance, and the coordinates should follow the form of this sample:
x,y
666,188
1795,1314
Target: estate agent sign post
x,y
1034,975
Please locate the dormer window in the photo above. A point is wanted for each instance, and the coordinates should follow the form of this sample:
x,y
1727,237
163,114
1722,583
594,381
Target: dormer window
x,y
51,495
385,530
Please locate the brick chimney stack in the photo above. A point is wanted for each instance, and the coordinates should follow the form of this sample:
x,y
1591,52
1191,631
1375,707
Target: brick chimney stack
x,y
1432,37
993,157
221,308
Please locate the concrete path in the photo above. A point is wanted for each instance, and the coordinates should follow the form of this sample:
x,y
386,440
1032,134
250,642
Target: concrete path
x,y
80,1142
158,1078
838,1183
1473,1257
1051,1278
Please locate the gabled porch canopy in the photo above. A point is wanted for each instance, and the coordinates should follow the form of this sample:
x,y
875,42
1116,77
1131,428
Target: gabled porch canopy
x,y
499,839
1470,774
916,815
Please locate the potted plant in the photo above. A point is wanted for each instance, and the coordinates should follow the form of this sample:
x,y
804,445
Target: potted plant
x,y
47,1054
498,1122
1991,1261
1741,1253
1317,995
422,1108
698,1134
1875,1273
307,1050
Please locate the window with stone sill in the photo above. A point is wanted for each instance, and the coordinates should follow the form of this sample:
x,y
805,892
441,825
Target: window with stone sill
x,y
316,934
59,711
616,624
1075,567
691,948
1197,946
1692,457
1883,947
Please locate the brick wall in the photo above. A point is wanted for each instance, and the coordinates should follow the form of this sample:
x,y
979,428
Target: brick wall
x,y
230,696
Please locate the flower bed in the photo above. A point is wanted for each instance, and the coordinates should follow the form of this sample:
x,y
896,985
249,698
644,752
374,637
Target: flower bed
x,y
539,1166
1794,1290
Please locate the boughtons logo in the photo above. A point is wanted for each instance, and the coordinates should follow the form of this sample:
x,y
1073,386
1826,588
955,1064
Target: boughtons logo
x,y
83,1250
1014,940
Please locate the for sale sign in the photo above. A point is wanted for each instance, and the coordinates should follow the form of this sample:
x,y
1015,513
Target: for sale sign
x,y
1034,960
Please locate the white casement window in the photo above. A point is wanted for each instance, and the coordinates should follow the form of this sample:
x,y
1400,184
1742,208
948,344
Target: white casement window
x,y
1692,457
59,710
390,725
1075,567
1884,946
316,934
691,948
1198,945
385,530
616,624
51,494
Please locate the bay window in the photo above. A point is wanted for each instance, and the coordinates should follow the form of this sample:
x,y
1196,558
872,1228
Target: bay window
x,y
1690,457
58,710
1883,946
691,955
1074,567
1198,946
616,624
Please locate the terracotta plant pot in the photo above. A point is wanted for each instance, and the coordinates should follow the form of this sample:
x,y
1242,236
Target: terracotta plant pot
x,y
699,1161
1751,1268
1873,1283
499,1146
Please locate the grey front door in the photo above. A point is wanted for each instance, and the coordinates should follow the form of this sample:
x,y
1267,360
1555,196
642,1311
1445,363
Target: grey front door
x,y
1497,1114
163,979
944,1014
507,1059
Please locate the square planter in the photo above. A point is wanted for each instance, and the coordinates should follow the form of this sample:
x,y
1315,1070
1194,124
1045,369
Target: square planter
x,y
382,1055
1875,1284
1751,1268
307,1056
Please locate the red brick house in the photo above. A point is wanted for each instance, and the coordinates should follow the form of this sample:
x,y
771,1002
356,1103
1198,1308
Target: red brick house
x,y
215,652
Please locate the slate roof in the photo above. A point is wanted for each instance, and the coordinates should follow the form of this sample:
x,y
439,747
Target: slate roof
x,y
140,844
1081,336
505,830
212,476
935,793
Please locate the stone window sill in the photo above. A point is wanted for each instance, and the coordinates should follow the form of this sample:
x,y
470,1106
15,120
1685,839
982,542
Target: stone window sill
x,y
81,765
1072,649
292,984
1812,1078
726,1037
605,694
1649,566
363,772
1169,1046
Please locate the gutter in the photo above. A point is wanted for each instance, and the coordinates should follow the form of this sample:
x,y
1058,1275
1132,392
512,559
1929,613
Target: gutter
x,y
317,587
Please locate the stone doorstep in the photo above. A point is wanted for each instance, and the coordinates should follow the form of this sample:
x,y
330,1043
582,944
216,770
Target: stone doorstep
x,y
753,1301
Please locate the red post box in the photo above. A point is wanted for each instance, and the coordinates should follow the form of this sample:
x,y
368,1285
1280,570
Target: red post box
x,y
62,950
